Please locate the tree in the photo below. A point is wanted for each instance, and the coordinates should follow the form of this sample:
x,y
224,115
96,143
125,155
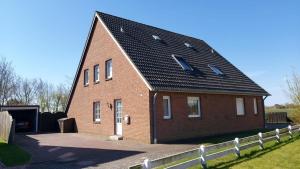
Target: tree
x,y
294,88
26,91
60,97
7,81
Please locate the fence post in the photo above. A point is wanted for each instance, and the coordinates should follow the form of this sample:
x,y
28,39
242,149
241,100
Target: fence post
x,y
277,135
290,131
203,156
146,164
237,146
260,140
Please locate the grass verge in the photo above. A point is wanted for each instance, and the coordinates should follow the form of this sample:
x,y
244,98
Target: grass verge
x,y
275,155
12,155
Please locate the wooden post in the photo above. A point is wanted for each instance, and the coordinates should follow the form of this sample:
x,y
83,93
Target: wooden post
x,y
277,135
260,140
203,156
146,164
290,131
237,147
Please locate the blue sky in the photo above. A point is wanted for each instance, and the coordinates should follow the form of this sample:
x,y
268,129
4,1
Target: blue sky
x,y
45,39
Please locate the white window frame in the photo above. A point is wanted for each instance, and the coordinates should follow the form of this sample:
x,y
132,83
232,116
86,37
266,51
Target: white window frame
x,y
255,106
240,106
98,73
169,107
95,111
199,110
108,70
86,76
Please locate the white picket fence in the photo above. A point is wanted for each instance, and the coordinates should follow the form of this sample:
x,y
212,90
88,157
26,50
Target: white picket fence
x,y
205,153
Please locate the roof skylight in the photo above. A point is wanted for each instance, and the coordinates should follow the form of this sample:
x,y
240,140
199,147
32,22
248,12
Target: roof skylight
x,y
188,45
122,29
156,37
216,70
184,65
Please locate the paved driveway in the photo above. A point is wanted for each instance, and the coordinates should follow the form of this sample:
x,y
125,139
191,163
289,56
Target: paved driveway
x,y
73,151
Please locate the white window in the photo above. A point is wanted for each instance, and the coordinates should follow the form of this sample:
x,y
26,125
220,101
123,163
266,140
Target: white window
x,y
194,106
240,108
96,74
108,69
167,107
86,77
96,111
255,106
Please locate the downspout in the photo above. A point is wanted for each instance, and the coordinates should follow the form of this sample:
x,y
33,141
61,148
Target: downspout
x,y
264,112
154,118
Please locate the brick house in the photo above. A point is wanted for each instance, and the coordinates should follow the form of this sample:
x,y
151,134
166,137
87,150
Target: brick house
x,y
152,85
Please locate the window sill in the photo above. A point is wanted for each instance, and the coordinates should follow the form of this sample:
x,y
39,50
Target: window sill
x,y
97,122
97,82
194,116
167,118
240,115
107,79
86,85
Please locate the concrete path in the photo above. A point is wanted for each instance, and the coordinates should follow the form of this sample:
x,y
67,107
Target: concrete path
x,y
74,151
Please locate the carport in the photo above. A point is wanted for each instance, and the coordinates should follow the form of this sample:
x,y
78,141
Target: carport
x,y
26,117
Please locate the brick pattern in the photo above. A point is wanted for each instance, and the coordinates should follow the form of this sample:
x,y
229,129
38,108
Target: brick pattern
x,y
218,116
218,112
125,85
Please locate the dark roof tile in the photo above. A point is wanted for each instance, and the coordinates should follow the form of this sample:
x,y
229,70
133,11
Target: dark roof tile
x,y
154,60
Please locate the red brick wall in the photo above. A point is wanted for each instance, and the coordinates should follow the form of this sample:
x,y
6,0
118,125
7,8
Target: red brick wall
x,y
218,116
125,85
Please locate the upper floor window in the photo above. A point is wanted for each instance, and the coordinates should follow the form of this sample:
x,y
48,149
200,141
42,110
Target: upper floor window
x,y
167,107
156,37
216,70
240,108
184,65
255,106
194,106
96,74
108,69
96,111
86,77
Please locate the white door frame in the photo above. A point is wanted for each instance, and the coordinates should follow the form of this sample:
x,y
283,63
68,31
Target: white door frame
x,y
118,117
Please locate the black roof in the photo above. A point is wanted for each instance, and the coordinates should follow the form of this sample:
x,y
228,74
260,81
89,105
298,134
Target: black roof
x,y
153,58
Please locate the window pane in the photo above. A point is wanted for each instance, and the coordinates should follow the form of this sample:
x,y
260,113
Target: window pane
x,y
96,73
240,106
108,69
255,106
167,107
96,111
86,77
184,65
194,105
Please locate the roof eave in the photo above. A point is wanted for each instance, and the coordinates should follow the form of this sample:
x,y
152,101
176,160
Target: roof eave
x,y
206,91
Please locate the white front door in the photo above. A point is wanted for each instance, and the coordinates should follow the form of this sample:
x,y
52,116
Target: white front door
x,y
118,117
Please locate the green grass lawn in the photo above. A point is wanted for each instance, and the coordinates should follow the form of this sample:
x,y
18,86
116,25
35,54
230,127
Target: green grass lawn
x,y
12,155
283,155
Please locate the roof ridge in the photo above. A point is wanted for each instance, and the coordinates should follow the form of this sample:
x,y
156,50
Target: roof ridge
x,y
181,34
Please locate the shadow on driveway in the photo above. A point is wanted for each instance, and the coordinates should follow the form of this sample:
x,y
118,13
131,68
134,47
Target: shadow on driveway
x,y
60,151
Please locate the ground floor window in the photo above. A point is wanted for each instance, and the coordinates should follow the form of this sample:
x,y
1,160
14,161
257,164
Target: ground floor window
x,y
167,107
255,106
194,106
96,110
240,108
